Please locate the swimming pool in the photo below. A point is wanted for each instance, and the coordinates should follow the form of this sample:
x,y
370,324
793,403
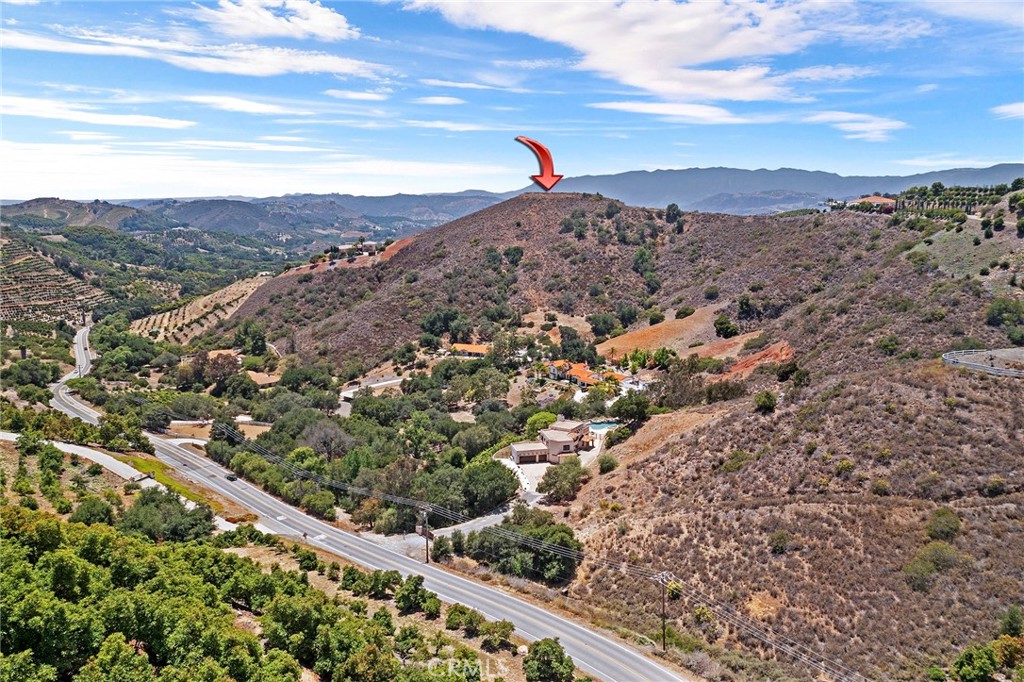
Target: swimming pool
x,y
601,427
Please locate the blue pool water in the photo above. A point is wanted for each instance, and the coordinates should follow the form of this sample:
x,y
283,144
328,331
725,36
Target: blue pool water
x,y
603,426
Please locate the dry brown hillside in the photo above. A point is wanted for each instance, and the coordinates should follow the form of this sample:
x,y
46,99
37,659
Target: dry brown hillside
x,y
362,314
812,519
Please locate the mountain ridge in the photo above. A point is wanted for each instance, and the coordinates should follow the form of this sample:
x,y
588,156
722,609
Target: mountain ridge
x,y
719,188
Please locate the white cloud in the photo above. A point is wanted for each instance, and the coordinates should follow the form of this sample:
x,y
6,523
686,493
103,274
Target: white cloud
x,y
454,126
866,127
1012,110
88,136
354,95
660,47
282,138
678,112
224,145
835,74
998,11
443,101
20,2
926,87
532,64
240,105
949,160
88,171
276,19
81,113
461,85
236,59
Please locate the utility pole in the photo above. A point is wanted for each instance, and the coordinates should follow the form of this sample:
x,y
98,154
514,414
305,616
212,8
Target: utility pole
x,y
424,529
663,579
664,621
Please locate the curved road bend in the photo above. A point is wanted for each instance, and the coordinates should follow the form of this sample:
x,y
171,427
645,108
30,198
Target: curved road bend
x,y
594,653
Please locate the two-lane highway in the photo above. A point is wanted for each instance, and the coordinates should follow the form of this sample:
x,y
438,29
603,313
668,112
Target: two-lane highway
x,y
595,653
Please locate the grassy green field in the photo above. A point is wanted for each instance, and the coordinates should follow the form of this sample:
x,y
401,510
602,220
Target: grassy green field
x,y
159,471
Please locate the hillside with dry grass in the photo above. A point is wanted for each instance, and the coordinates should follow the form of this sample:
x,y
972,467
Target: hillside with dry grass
x,y
816,517
362,314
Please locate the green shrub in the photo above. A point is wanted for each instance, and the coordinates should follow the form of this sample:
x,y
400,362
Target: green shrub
x,y
944,524
725,327
737,460
779,541
684,312
606,463
765,402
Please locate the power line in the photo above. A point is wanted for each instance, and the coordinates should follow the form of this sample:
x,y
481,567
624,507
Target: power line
x,y
667,579
724,611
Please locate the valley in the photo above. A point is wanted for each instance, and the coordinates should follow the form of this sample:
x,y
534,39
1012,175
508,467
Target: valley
x,y
781,431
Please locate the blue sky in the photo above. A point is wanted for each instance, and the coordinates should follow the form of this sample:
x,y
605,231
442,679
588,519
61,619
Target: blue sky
x,y
119,100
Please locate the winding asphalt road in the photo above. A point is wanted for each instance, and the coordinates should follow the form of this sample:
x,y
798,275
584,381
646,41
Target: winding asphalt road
x,y
605,658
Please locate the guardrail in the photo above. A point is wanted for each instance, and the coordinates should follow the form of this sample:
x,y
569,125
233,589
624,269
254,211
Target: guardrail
x,y
953,359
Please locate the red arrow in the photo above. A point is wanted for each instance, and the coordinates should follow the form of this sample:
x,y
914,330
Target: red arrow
x,y
547,178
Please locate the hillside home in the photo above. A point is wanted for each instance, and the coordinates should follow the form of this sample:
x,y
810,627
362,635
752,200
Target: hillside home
x,y
470,350
562,439
580,373
262,379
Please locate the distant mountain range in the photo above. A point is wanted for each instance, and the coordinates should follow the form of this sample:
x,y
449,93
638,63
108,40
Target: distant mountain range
x,y
720,190
746,192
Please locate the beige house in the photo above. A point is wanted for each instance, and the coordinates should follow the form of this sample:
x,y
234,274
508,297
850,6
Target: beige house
x,y
562,439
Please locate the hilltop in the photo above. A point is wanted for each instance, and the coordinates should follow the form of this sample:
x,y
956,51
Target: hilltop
x,y
362,314
816,517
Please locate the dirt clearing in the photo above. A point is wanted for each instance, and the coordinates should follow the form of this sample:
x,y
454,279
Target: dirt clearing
x,y
674,334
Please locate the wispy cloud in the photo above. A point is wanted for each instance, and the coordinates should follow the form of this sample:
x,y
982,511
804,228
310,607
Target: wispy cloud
x,y
238,59
455,126
459,85
833,74
926,87
224,145
996,11
275,19
357,95
240,105
532,64
443,101
88,136
859,126
81,113
1012,110
283,138
704,114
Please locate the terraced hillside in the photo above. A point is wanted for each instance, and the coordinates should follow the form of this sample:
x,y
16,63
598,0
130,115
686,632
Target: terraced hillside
x,y
183,324
33,288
